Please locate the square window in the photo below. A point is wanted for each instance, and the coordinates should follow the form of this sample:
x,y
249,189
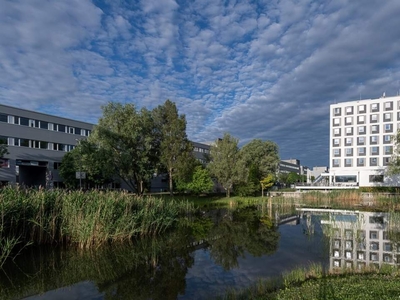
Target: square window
x,y
348,162
349,120
336,121
373,235
361,108
349,110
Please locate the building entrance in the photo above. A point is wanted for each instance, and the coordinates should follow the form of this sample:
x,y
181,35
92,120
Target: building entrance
x,y
31,173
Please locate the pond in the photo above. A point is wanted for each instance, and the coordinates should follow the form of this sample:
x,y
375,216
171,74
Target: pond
x,y
218,250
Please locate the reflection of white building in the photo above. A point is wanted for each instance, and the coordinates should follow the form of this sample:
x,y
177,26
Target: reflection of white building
x,y
360,239
361,141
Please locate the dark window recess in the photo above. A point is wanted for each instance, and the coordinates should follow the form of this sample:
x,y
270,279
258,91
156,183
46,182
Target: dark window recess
x,y
24,121
44,145
3,118
57,165
24,142
61,128
44,125
77,131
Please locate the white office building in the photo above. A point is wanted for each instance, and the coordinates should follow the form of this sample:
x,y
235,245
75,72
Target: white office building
x,y
361,141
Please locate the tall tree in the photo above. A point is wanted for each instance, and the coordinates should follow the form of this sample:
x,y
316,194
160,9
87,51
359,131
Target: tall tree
x,y
225,161
130,138
263,154
175,148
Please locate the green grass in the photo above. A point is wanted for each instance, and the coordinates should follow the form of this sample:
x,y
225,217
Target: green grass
x,y
313,283
83,219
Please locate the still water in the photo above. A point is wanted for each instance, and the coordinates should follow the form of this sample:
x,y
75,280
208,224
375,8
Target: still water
x,y
211,253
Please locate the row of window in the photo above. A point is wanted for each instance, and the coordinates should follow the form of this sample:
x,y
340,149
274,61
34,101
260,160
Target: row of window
x,y
43,125
10,141
362,130
362,119
360,162
201,150
361,140
362,108
362,151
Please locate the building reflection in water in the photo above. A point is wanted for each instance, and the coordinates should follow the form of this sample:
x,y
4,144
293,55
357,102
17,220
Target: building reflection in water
x,y
359,239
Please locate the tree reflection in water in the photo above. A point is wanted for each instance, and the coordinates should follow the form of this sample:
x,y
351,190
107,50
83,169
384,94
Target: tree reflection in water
x,y
148,268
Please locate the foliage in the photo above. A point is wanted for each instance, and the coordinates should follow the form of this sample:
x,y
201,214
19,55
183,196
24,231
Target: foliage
x,y
175,148
261,154
87,157
225,162
394,164
68,168
131,138
85,219
293,178
267,182
201,181
251,186
3,149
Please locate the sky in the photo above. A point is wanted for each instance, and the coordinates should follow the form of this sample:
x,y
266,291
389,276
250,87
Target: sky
x,y
266,69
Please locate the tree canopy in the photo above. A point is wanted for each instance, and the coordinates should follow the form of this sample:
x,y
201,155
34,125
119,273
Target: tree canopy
x,y
175,148
262,154
225,162
129,136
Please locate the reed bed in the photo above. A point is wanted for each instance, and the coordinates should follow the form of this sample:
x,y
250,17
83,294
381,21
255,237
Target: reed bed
x,y
85,219
332,199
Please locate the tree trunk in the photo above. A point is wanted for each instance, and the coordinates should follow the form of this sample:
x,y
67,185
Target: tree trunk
x,y
171,192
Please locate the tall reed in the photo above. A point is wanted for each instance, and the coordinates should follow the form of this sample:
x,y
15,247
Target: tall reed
x,y
85,219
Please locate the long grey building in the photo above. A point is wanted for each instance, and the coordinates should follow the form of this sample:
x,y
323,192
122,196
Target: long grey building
x,y
36,143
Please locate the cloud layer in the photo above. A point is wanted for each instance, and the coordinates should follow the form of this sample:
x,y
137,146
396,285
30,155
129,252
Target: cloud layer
x,y
264,69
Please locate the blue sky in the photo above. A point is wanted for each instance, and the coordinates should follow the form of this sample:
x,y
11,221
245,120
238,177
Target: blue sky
x,y
256,69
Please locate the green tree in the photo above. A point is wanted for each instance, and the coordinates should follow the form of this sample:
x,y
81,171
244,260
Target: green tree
x,y
96,162
252,185
283,178
175,148
68,168
87,157
292,178
266,183
262,154
201,181
225,162
131,138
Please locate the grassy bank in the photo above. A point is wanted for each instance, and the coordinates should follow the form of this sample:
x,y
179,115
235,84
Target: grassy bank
x,y
313,283
84,219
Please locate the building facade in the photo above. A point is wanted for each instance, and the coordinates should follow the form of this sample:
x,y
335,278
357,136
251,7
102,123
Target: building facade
x,y
361,141
361,239
36,144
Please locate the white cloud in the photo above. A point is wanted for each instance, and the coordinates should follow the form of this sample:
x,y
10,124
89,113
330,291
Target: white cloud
x,y
268,69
